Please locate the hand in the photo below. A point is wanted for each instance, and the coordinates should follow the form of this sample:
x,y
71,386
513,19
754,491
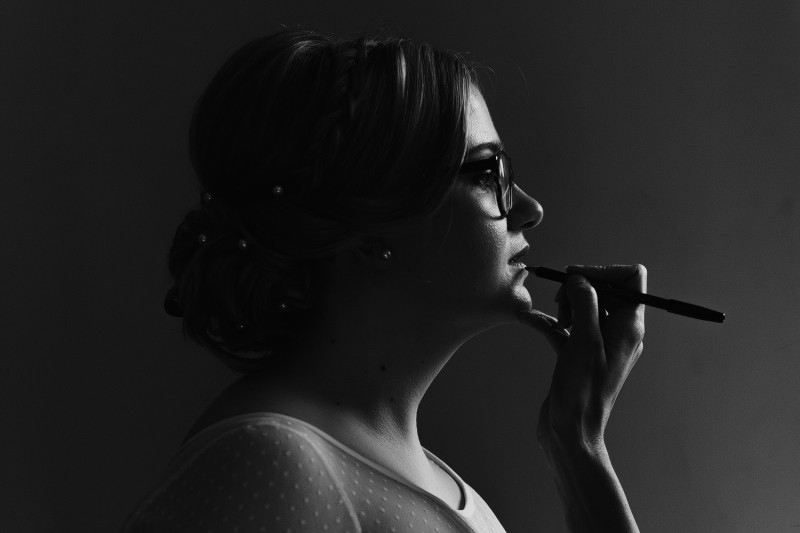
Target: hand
x,y
597,341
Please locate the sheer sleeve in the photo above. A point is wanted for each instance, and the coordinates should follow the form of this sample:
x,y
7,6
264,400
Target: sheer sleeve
x,y
253,479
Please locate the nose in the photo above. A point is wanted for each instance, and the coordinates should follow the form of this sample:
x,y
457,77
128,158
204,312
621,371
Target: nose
x,y
525,213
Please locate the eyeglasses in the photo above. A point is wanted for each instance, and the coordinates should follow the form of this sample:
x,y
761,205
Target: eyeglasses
x,y
499,169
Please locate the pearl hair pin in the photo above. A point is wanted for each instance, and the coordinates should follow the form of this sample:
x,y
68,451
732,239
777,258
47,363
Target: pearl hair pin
x,y
242,244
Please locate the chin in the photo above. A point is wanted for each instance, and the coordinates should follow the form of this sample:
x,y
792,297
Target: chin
x,y
520,300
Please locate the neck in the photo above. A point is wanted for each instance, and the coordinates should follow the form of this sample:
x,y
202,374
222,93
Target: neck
x,y
376,373
365,373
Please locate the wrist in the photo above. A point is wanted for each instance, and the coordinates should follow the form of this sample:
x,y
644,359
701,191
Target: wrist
x,y
591,494
573,444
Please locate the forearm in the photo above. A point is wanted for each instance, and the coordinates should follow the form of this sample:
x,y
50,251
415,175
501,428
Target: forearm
x,y
591,494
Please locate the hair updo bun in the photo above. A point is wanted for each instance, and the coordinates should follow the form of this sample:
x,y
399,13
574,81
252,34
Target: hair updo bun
x,y
304,146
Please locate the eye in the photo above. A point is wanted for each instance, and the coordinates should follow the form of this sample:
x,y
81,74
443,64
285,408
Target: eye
x,y
486,180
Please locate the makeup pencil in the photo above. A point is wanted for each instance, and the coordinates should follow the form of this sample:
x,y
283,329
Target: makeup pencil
x,y
673,306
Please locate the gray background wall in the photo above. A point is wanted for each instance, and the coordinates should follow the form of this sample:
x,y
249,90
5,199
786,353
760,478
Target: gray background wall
x,y
660,132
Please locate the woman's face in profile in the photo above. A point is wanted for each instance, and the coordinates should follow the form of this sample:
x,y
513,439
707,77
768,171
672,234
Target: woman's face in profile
x,y
460,259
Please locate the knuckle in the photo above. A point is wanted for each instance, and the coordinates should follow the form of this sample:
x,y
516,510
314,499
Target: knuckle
x,y
578,283
636,336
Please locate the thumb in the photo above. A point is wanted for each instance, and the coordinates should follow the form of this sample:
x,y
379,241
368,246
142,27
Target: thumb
x,y
546,325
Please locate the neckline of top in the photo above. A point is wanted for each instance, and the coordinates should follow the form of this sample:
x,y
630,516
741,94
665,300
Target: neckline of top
x,y
238,419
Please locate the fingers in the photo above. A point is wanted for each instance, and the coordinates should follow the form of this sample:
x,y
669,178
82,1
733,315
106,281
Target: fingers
x,y
623,329
598,353
585,315
595,320
632,277
564,309
628,276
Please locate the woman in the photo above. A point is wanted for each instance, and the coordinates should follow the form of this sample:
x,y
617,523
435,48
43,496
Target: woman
x,y
359,223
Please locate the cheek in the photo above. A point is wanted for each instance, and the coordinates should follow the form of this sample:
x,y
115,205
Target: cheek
x,y
485,245
463,241
472,253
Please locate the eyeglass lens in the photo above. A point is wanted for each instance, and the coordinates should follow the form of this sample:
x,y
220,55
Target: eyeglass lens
x,y
506,188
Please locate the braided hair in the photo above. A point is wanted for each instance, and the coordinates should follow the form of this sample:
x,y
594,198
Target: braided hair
x,y
304,146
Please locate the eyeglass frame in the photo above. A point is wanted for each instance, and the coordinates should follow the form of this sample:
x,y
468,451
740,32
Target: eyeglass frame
x,y
492,164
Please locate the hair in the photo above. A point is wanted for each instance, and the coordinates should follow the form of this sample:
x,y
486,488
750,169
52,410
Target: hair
x,y
362,136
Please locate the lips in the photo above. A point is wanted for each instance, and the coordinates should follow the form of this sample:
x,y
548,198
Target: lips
x,y
517,257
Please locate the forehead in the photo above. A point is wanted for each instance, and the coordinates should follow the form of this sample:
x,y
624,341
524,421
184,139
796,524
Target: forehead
x,y
480,128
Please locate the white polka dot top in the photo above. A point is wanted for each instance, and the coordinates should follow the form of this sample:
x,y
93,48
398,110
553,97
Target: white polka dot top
x,y
272,473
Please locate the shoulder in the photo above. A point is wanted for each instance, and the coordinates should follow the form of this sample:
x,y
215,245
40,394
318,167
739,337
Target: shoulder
x,y
248,476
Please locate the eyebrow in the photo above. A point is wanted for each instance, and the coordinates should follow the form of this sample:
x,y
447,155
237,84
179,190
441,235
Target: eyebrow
x,y
494,146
